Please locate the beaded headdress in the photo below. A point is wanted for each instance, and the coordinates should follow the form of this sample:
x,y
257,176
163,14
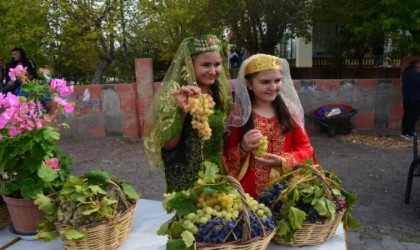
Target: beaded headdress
x,y
203,44
262,62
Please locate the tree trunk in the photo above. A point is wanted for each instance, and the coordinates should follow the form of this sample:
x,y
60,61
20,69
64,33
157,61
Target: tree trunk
x,y
267,47
100,70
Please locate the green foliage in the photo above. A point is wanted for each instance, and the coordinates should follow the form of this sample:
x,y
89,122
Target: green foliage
x,y
184,202
82,201
23,159
303,187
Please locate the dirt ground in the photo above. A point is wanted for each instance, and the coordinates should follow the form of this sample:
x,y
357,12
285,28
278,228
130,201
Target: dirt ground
x,y
374,165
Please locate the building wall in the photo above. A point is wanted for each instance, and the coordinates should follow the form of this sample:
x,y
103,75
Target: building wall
x,y
119,109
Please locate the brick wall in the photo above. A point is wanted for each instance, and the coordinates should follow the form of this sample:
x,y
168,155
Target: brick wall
x,y
119,109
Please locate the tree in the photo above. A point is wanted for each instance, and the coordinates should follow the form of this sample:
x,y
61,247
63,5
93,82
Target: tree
x,y
89,34
168,22
262,24
23,24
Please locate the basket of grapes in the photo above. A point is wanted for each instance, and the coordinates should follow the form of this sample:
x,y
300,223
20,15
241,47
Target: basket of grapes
x,y
309,204
216,214
92,212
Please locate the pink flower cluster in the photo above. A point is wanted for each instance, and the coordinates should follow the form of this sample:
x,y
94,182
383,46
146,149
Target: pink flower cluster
x,y
53,163
19,117
16,72
60,85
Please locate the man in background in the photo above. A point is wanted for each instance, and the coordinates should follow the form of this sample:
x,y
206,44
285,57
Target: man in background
x,y
411,99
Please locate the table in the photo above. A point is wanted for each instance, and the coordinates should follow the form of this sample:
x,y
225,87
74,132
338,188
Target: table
x,y
148,217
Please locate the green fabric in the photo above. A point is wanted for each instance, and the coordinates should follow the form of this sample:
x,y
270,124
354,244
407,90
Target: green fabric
x,y
163,120
184,162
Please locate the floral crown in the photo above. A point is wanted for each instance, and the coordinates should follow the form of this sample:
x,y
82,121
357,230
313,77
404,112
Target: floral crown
x,y
262,62
203,44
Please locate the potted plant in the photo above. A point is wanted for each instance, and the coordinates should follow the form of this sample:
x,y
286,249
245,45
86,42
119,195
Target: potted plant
x,y
31,162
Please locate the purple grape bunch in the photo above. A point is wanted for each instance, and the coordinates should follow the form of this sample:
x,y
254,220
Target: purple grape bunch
x,y
218,229
270,195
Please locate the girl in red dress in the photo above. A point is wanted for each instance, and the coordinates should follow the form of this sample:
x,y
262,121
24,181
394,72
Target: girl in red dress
x,y
266,104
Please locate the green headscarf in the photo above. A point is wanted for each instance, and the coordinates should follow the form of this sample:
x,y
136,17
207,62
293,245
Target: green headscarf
x,y
163,120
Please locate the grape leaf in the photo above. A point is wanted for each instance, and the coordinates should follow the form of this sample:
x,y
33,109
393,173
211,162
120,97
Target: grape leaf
x,y
95,189
296,217
67,190
72,234
182,203
45,231
46,204
130,192
87,212
176,230
97,176
284,228
296,195
331,209
164,228
318,192
46,173
321,206
350,222
188,238
178,244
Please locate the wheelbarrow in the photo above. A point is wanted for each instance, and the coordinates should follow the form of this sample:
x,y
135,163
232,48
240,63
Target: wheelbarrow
x,y
337,124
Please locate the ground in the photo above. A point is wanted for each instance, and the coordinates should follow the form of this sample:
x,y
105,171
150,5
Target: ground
x,y
373,165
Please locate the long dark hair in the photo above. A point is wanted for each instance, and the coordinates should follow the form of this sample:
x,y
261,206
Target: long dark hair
x,y
280,109
22,58
412,65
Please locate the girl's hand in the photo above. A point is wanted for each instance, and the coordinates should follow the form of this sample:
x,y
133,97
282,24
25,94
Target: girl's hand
x,y
181,95
270,160
251,140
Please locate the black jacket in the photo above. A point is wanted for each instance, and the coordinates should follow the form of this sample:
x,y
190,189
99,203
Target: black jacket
x,y
411,85
27,63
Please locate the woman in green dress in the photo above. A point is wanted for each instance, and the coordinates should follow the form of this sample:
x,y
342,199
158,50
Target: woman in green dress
x,y
171,143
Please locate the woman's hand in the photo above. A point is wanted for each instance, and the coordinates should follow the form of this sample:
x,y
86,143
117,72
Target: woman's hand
x,y
251,140
181,95
270,160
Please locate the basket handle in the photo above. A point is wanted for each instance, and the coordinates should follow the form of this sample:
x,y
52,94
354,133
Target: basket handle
x,y
119,192
246,232
321,177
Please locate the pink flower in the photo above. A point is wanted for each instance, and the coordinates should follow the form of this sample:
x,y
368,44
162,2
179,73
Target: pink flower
x,y
53,163
17,71
68,108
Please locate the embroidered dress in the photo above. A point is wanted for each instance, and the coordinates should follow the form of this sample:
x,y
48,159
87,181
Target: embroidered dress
x,y
294,147
181,165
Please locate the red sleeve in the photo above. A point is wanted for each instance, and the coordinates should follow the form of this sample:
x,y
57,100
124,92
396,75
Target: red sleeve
x,y
298,148
231,153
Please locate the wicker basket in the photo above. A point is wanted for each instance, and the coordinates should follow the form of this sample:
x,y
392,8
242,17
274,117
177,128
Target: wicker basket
x,y
4,214
106,235
246,243
319,232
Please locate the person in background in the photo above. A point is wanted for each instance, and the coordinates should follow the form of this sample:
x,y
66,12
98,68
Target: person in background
x,y
18,58
171,143
411,99
266,104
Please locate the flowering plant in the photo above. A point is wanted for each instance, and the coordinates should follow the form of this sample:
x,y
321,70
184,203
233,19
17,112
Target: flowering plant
x,y
31,162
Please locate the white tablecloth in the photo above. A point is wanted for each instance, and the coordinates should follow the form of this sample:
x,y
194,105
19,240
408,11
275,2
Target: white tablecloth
x,y
148,217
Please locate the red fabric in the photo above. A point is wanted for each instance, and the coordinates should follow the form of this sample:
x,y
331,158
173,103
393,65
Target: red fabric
x,y
295,147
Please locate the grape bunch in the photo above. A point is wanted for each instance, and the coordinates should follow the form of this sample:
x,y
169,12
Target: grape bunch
x,y
220,230
261,150
340,203
200,107
216,219
311,214
270,196
73,212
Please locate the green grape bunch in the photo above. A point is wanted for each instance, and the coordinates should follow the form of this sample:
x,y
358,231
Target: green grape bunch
x,y
261,150
201,107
